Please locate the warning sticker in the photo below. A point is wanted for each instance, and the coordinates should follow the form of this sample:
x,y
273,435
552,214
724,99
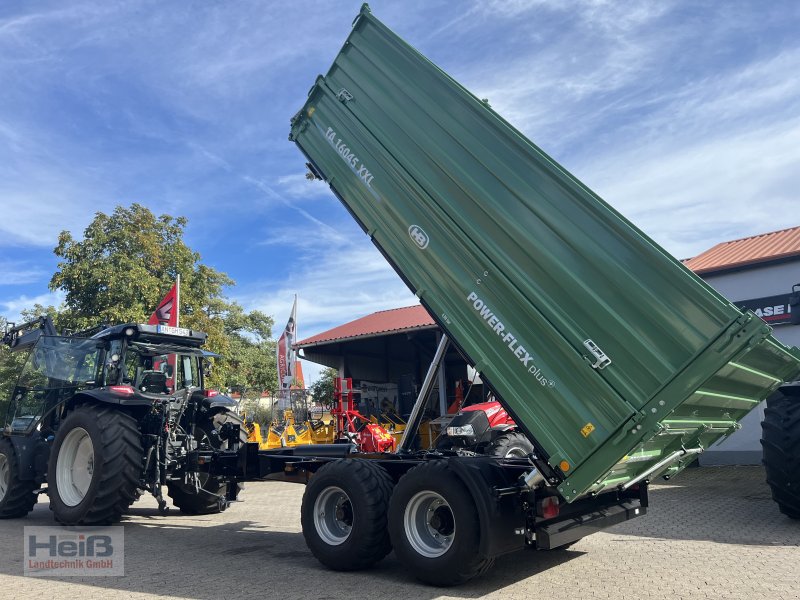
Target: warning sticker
x,y
587,430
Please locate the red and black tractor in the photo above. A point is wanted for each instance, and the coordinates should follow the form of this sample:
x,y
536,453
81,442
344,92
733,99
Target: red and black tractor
x,y
485,428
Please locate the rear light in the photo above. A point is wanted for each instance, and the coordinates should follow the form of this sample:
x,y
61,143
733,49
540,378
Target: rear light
x,y
464,430
122,390
210,393
548,507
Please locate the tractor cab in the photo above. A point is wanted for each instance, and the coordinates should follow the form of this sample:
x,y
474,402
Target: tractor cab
x,y
55,370
123,364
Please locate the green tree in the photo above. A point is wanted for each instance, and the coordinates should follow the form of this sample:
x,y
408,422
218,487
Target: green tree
x,y
322,390
124,264
10,366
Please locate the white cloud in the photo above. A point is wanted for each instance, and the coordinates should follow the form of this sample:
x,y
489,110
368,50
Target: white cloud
x,y
12,308
297,185
332,288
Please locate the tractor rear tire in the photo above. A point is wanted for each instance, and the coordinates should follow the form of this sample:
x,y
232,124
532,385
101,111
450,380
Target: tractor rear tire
x,y
434,526
780,439
95,464
208,500
17,497
344,514
510,445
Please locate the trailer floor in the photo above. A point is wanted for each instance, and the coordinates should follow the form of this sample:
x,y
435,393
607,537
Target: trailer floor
x,y
712,533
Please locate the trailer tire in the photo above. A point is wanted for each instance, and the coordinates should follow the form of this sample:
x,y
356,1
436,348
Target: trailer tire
x,y
17,497
206,501
434,526
780,431
510,445
95,464
344,514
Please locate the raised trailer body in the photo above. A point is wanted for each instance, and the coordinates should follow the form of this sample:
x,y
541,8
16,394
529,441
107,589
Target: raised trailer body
x,y
611,355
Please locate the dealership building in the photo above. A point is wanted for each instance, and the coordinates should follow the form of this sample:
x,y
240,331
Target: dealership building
x,y
387,353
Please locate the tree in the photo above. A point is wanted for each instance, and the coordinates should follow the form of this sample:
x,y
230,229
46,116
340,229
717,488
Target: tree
x,y
123,265
323,389
10,366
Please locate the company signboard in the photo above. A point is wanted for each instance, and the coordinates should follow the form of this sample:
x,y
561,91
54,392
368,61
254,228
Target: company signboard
x,y
775,310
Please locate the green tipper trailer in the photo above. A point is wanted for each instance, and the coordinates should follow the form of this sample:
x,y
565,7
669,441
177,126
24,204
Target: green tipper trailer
x,y
617,361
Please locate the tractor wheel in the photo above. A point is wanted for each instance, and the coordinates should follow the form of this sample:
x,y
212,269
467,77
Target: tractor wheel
x,y
434,526
210,497
94,468
17,497
344,514
510,445
780,439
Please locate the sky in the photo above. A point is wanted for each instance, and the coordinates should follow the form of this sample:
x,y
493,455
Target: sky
x,y
684,115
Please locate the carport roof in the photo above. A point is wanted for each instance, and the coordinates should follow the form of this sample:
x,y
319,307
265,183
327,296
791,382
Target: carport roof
x,y
397,320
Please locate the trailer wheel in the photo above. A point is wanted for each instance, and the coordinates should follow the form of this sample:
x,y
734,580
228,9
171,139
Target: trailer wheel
x,y
434,526
210,497
17,497
781,443
344,514
94,466
510,445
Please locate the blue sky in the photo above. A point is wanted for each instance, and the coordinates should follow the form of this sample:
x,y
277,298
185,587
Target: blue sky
x,y
683,115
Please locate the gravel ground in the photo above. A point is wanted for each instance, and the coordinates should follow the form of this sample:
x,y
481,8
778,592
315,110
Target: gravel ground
x,y
710,533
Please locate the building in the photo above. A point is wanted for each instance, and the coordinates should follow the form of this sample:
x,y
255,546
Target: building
x,y
387,353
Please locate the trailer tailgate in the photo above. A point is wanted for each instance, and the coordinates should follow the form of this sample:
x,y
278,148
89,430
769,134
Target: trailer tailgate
x,y
607,351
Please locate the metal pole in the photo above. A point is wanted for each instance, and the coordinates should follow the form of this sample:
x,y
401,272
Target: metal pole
x,y
416,413
442,384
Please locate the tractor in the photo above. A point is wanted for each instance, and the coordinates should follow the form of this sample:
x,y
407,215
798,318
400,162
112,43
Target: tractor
x,y
485,428
99,417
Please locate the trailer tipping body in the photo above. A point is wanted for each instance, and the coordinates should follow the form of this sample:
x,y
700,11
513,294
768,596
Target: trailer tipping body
x,y
616,360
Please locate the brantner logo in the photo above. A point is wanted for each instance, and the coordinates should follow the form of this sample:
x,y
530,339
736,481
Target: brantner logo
x,y
419,236
78,551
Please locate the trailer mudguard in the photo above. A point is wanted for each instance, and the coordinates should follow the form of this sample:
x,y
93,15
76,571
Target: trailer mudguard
x,y
502,518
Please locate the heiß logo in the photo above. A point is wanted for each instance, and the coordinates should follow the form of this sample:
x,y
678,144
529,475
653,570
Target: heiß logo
x,y
420,238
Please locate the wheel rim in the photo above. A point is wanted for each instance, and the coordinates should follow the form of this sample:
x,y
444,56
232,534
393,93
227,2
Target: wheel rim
x,y
5,476
516,453
75,467
429,524
333,516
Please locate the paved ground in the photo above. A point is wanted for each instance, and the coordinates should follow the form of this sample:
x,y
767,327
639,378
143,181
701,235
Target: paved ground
x,y
712,533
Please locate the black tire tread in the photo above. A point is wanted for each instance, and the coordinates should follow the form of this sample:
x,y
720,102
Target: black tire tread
x,y
780,441
122,454
20,497
376,492
476,565
500,446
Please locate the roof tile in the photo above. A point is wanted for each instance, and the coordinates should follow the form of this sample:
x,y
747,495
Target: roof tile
x,y
747,251
384,321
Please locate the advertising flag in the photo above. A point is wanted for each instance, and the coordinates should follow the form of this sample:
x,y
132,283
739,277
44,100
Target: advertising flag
x,y
166,313
286,356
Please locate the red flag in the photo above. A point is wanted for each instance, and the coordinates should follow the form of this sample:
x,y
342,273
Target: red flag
x,y
167,311
299,379
167,314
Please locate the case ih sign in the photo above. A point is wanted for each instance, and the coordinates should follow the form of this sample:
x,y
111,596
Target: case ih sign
x,y
775,310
